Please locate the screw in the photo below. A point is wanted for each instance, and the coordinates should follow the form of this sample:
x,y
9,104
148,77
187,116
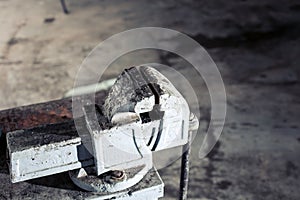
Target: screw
x,y
117,174
114,176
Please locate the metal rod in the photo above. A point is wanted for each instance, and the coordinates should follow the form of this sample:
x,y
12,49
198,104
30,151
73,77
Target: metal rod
x,y
184,176
64,6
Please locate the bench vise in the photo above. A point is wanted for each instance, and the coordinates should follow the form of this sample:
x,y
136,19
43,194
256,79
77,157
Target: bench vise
x,y
142,113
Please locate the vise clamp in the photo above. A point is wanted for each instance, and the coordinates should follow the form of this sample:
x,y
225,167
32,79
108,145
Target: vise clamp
x,y
142,113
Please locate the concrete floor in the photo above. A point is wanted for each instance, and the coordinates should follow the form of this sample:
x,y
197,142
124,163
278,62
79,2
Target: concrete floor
x,y
254,43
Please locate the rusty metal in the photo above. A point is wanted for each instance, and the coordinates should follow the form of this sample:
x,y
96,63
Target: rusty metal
x,y
31,116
